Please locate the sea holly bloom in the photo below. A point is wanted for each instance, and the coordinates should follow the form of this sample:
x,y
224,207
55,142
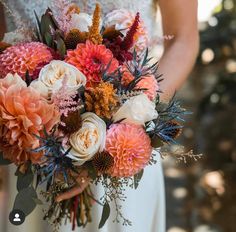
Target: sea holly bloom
x,y
91,59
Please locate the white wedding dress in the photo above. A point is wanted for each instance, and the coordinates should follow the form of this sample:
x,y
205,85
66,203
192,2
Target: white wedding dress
x,y
145,207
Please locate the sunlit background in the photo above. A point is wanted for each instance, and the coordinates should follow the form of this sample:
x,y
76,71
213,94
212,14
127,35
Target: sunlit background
x,y
201,196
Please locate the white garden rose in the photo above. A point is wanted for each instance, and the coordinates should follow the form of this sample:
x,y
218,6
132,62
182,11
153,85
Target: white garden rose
x,y
81,21
52,75
89,139
137,110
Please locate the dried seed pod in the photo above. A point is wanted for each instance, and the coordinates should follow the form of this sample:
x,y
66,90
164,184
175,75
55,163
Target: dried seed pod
x,y
103,162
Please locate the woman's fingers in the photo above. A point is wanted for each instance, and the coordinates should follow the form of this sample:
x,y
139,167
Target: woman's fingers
x,y
83,182
73,192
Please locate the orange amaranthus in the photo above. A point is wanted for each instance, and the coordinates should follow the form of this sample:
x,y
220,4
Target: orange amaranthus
x,y
94,31
102,100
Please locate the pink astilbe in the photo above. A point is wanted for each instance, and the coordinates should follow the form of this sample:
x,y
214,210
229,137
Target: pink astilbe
x,y
65,99
60,10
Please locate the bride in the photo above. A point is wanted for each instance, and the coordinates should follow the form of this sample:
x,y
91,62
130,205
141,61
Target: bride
x,y
145,207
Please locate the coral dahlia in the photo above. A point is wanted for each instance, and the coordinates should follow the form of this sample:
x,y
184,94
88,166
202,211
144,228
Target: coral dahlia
x,y
24,57
130,147
90,59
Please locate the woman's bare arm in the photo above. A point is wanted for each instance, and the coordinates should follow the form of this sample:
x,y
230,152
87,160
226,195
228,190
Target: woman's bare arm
x,y
179,18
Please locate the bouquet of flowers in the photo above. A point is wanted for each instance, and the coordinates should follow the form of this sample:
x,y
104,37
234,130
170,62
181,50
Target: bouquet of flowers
x,y
81,102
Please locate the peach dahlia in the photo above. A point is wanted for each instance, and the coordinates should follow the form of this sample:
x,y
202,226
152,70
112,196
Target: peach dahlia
x,y
130,147
23,114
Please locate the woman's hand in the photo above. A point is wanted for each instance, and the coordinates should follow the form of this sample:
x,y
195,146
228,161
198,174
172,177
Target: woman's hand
x,y
83,181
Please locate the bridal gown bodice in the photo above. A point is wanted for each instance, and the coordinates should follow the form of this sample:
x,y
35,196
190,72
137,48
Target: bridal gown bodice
x,y
145,207
24,9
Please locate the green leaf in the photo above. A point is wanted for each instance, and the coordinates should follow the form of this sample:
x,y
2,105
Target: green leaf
x,y
45,24
38,201
4,161
25,200
91,170
61,47
137,178
39,34
48,39
24,180
156,142
105,215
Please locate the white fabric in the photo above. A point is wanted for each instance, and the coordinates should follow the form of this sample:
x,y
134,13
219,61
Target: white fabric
x,y
145,207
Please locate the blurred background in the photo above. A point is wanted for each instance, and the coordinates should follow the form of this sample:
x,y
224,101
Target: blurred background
x,y
201,196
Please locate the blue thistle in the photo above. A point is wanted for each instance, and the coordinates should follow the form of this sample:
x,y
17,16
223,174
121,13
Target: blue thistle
x,y
56,157
140,66
167,127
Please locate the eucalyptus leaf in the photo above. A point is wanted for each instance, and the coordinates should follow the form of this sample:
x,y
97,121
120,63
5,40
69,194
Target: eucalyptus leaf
x,y
91,170
137,178
4,161
24,180
45,24
25,200
156,142
39,34
105,215
48,39
61,47
37,201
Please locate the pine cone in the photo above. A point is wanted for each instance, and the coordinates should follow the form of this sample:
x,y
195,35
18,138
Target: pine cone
x,y
103,162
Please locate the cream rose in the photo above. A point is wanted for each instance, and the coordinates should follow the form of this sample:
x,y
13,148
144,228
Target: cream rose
x,y
51,77
89,139
81,22
138,110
